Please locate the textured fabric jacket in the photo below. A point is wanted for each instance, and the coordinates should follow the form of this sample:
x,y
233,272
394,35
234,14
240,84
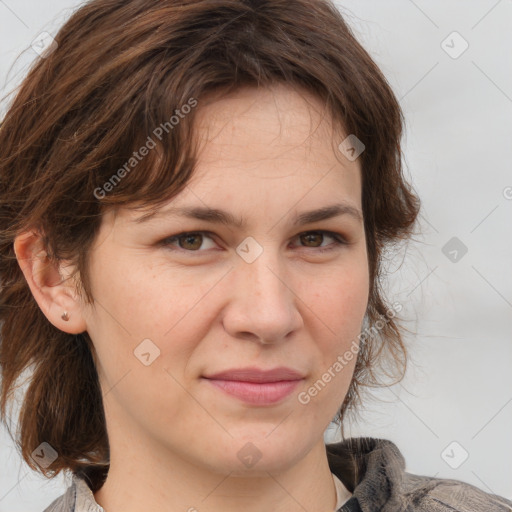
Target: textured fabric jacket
x,y
381,485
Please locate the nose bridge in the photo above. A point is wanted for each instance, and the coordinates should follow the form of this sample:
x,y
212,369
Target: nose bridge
x,y
262,277
263,302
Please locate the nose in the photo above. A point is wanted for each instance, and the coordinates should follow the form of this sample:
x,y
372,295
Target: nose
x,y
262,304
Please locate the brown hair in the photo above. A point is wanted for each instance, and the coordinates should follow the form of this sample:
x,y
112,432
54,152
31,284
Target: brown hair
x,y
122,68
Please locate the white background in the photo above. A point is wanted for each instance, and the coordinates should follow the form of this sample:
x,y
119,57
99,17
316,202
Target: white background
x,y
458,152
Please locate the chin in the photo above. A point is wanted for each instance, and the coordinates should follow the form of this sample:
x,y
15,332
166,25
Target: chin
x,y
256,453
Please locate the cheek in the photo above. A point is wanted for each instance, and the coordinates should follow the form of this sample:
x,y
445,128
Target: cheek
x,y
141,311
338,312
144,333
340,299
133,298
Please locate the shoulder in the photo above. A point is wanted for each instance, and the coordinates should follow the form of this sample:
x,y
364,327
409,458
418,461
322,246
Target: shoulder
x,y
374,471
423,493
64,503
77,498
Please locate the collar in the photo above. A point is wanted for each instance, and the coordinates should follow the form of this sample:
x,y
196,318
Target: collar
x,y
84,499
379,468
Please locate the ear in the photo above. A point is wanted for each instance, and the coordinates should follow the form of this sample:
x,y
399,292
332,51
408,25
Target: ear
x,y
51,291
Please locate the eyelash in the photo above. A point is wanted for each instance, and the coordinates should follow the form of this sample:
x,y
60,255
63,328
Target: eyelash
x,y
339,241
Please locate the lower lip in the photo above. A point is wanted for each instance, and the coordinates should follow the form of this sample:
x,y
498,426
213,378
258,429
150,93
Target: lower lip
x,y
256,393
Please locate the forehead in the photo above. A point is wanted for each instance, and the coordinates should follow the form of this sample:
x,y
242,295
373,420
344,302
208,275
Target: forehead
x,y
272,150
272,133
263,123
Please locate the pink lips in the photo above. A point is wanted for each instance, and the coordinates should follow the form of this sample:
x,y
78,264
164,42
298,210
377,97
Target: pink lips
x,y
256,386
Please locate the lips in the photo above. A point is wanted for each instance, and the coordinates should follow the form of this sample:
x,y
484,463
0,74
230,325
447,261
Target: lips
x,y
256,386
252,374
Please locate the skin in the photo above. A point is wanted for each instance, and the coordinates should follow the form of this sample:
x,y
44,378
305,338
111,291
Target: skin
x,y
266,156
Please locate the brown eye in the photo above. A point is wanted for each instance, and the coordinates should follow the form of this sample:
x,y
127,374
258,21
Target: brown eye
x,y
312,237
191,241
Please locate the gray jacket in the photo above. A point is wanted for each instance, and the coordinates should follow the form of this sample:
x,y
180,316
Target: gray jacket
x,y
381,485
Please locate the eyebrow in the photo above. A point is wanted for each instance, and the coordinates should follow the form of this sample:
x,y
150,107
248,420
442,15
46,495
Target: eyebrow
x,y
218,216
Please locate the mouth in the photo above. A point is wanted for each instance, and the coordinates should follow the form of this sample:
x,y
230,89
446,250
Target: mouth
x,y
256,386
263,393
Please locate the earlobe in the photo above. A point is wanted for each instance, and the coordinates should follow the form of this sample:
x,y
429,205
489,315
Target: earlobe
x,y
53,294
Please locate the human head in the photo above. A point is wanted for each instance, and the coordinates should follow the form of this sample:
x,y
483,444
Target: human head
x,y
72,126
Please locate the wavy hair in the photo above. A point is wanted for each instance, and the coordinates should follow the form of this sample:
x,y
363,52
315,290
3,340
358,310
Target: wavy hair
x,y
118,70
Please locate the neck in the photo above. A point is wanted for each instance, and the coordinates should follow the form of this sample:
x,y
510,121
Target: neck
x,y
171,484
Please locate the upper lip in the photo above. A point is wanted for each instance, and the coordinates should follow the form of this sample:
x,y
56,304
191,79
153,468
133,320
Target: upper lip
x,y
253,374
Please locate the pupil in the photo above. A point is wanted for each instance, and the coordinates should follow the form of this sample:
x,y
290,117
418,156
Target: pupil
x,y
191,237
312,235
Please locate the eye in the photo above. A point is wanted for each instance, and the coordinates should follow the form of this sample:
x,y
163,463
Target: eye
x,y
193,240
338,239
189,242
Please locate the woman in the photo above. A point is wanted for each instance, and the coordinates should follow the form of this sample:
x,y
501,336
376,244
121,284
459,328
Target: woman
x,y
196,200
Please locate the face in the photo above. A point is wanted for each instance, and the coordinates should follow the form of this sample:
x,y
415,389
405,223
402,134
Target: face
x,y
173,309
